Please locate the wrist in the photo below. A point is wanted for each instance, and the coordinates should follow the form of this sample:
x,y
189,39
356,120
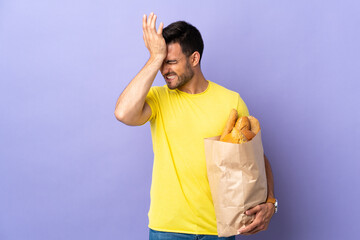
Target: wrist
x,y
157,58
274,202
155,62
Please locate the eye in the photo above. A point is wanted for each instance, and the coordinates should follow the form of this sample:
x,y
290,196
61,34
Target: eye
x,y
171,62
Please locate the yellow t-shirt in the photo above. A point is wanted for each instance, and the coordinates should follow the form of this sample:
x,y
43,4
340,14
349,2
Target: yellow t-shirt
x,y
180,194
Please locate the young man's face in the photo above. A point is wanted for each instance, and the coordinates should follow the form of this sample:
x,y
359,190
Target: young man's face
x,y
176,68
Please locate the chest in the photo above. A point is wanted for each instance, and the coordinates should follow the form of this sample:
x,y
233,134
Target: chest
x,y
193,118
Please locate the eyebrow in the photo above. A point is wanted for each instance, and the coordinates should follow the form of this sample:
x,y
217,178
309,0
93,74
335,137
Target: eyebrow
x,y
173,60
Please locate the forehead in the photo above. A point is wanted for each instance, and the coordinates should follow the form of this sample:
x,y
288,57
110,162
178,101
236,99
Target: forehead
x,y
174,51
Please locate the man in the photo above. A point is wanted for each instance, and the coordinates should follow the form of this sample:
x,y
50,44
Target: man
x,y
181,114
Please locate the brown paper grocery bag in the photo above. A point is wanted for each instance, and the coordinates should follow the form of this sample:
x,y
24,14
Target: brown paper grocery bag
x,y
237,179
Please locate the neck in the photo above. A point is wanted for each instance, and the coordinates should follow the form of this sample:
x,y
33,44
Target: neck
x,y
197,84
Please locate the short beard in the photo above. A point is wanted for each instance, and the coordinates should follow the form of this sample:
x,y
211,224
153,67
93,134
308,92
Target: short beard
x,y
185,77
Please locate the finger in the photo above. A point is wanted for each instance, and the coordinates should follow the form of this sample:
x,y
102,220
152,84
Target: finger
x,y
253,231
149,19
144,22
160,29
258,228
144,28
253,210
250,227
247,229
153,22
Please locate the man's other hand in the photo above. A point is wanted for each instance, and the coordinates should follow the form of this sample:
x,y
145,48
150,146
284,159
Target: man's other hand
x,y
154,41
263,214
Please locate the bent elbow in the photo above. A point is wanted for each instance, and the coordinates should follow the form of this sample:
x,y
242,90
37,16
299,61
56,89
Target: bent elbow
x,y
125,118
119,115
130,117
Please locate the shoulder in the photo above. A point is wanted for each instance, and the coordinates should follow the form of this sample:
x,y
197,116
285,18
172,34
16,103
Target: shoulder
x,y
223,90
231,99
158,91
161,89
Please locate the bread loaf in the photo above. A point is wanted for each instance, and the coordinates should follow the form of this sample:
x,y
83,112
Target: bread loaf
x,y
254,124
248,134
230,123
240,130
235,136
242,123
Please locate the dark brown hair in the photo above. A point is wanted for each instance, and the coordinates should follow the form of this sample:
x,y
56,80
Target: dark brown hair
x,y
186,35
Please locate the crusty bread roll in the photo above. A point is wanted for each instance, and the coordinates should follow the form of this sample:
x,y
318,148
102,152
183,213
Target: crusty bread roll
x,y
242,123
235,136
242,137
254,124
230,123
248,134
228,138
240,130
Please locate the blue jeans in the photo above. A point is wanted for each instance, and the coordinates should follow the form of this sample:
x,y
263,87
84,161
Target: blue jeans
x,y
157,235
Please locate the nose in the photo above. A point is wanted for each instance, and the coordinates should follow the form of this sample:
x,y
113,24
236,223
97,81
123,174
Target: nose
x,y
165,68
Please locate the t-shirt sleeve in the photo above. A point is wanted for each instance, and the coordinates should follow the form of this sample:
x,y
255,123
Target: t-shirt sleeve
x,y
242,108
152,100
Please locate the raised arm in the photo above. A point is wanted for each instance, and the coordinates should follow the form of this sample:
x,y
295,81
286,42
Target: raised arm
x,y
131,107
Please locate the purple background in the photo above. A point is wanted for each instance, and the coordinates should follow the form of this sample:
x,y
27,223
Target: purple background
x,y
70,170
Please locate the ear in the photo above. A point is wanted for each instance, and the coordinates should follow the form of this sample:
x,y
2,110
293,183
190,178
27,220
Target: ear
x,y
195,59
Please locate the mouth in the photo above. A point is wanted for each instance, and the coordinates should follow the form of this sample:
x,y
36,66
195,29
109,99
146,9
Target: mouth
x,y
169,77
